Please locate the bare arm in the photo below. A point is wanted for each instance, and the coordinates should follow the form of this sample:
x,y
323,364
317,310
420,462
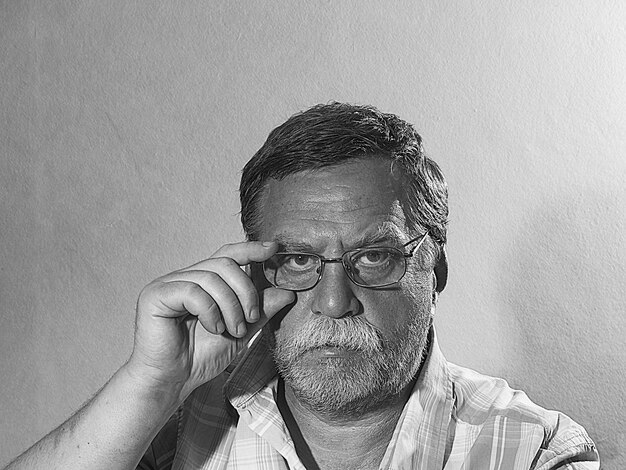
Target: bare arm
x,y
190,325
112,431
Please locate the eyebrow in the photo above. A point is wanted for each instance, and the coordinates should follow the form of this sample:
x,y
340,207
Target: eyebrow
x,y
383,233
287,244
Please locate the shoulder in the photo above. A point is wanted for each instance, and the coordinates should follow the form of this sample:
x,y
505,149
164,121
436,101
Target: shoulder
x,y
488,408
478,397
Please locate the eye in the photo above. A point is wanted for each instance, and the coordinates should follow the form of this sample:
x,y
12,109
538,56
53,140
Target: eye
x,y
372,258
298,261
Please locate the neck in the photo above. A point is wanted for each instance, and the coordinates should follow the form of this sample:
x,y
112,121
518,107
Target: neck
x,y
329,440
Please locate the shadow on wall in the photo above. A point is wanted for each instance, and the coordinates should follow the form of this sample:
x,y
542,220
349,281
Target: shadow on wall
x,y
565,289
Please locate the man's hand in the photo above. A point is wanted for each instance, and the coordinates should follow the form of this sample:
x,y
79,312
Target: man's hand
x,y
191,323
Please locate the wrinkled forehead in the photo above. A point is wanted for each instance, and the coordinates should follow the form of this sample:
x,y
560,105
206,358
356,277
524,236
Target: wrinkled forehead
x,y
350,197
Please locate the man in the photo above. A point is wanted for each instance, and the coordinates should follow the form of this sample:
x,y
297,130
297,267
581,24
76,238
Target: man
x,y
320,352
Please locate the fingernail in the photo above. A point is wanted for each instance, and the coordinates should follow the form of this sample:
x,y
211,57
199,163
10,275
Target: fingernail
x,y
254,314
241,329
220,327
268,244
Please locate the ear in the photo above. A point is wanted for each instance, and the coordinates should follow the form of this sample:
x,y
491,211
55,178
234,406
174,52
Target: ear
x,y
435,294
441,270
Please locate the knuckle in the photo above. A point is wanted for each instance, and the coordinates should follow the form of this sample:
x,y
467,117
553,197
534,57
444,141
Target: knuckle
x,y
227,247
190,288
212,309
250,294
148,291
208,276
233,304
224,262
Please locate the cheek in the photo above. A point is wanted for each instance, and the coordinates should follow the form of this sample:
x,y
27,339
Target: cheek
x,y
392,311
414,298
418,286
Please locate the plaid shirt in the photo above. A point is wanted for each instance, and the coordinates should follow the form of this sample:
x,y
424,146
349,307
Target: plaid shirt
x,y
454,419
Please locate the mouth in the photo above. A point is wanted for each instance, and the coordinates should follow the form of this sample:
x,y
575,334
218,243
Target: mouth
x,y
332,350
338,353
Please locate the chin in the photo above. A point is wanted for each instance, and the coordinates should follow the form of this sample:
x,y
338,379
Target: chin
x,y
348,367
350,385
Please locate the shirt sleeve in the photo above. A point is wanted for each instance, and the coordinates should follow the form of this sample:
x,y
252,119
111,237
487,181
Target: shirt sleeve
x,y
568,448
160,454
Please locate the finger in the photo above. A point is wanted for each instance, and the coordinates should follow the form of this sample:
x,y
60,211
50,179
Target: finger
x,y
179,298
229,272
242,253
228,306
273,300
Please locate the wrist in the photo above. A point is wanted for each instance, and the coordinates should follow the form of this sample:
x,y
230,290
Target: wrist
x,y
165,395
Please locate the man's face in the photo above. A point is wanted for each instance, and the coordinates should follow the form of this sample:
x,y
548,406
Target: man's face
x,y
343,348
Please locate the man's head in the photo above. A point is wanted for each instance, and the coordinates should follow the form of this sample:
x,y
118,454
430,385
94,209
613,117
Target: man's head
x,y
328,135
333,179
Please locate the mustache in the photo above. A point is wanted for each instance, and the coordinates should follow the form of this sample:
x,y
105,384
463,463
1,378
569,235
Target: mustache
x,y
347,333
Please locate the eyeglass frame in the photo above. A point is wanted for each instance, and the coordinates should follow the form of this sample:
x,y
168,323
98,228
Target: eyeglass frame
x,y
323,262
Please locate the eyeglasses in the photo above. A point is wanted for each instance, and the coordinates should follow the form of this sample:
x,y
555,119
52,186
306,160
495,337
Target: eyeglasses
x,y
371,267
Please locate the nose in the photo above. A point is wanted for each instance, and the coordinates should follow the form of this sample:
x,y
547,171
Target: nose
x,y
334,295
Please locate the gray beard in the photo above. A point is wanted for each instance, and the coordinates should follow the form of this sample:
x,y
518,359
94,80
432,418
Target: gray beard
x,y
349,387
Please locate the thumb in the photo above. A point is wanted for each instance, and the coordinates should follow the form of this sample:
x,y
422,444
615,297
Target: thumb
x,y
271,300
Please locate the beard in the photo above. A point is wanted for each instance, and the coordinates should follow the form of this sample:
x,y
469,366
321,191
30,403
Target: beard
x,y
377,370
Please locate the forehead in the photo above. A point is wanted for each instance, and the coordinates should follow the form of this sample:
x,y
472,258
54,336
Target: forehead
x,y
335,203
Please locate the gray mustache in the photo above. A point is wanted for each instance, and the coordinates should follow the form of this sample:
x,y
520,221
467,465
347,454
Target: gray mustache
x,y
348,333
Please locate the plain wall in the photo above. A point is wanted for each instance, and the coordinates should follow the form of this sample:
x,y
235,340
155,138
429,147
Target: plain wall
x,y
124,125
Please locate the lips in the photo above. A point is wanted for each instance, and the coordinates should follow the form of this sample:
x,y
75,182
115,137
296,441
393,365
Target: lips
x,y
337,352
334,345
331,351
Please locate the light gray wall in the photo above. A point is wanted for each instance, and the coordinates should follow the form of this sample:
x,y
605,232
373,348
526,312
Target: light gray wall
x,y
123,126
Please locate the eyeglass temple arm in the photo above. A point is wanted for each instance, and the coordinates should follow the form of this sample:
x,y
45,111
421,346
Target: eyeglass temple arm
x,y
416,247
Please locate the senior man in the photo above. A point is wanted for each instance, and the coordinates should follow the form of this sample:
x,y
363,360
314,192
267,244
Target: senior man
x,y
320,353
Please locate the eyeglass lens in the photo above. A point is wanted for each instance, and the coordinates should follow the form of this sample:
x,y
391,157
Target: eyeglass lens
x,y
367,267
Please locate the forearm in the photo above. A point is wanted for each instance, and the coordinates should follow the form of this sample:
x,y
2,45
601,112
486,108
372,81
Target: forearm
x,y
180,343
111,432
